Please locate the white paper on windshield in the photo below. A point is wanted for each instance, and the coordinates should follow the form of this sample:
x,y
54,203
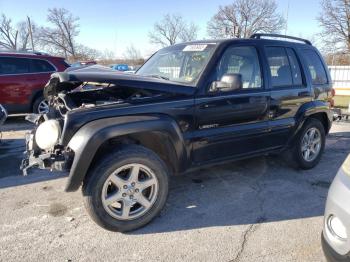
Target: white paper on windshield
x,y
193,48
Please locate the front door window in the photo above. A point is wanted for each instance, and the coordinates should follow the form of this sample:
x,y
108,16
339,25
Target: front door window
x,y
242,60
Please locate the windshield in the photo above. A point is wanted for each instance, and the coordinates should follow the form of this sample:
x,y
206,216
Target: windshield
x,y
180,63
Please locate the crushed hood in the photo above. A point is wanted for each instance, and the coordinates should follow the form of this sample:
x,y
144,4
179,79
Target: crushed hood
x,y
71,79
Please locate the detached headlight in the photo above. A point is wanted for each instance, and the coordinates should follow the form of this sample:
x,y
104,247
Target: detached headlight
x,y
337,228
47,134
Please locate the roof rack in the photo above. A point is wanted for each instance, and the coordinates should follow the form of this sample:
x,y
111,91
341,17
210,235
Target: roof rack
x,y
260,36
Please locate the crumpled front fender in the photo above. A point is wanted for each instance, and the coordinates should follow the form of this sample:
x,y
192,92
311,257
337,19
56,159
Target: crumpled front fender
x,y
86,142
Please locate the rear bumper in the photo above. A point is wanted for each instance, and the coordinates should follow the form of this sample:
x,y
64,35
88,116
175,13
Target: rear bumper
x,y
330,120
330,254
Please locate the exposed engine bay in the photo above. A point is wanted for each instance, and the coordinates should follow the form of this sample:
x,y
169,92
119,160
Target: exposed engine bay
x,y
87,95
69,93
92,87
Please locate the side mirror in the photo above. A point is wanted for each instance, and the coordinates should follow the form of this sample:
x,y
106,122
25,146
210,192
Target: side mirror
x,y
228,82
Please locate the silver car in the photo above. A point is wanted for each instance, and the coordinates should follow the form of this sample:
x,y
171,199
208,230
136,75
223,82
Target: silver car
x,y
336,228
3,115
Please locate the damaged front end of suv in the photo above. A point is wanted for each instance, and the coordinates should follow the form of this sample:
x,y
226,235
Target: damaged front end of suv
x,y
43,149
82,96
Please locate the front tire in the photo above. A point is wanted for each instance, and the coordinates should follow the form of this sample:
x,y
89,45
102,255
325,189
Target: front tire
x,y
127,189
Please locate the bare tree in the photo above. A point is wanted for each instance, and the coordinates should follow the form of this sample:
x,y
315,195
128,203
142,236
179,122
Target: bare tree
x,y
335,21
107,55
62,35
8,34
14,37
190,33
131,53
243,18
172,29
83,52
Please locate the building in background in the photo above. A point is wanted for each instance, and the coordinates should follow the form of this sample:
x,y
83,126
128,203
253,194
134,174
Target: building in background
x,y
341,83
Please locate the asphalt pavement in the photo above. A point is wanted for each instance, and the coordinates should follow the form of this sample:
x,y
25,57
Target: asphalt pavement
x,y
253,210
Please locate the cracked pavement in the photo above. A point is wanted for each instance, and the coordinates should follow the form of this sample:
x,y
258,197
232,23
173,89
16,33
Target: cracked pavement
x,y
253,210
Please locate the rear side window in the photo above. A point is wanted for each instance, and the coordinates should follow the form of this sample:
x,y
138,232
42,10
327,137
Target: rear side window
x,y
315,67
284,67
280,69
295,66
11,65
39,66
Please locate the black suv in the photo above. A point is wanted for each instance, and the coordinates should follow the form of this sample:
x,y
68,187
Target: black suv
x,y
190,105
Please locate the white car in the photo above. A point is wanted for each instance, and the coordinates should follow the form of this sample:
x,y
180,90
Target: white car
x,y
336,228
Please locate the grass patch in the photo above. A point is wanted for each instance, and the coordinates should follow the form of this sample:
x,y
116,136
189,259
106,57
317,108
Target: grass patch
x,y
341,101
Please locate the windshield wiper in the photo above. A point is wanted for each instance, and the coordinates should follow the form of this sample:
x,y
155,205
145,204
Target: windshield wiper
x,y
159,76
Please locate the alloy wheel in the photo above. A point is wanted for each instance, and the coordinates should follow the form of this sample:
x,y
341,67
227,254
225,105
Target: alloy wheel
x,y
43,107
130,191
311,144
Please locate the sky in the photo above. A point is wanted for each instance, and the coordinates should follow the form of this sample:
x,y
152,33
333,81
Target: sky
x,y
116,24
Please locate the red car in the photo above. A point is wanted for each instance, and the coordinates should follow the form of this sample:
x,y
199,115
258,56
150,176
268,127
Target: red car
x,y
22,79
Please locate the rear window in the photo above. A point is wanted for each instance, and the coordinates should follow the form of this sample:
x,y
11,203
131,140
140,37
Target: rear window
x,y
64,62
11,65
315,67
39,66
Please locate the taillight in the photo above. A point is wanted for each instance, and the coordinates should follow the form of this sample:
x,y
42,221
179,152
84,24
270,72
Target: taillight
x,y
330,98
332,92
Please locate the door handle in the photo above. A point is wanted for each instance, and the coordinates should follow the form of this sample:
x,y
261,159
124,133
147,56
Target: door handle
x,y
257,99
304,93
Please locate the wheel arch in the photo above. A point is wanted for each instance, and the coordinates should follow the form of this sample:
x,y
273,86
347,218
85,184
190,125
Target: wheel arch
x,y
315,109
322,117
34,97
318,110
157,141
160,134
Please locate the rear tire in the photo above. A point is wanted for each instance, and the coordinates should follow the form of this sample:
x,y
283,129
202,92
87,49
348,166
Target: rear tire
x,y
308,145
110,198
40,106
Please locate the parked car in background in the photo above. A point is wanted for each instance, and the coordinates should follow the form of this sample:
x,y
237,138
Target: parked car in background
x,y
120,67
83,63
189,106
132,69
3,115
22,80
336,227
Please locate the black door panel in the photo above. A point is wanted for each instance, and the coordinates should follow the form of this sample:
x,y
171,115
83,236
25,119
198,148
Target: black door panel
x,y
229,110
230,125
286,99
283,109
233,123
226,142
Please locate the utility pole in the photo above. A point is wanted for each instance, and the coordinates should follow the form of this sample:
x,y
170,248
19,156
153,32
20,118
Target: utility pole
x,y
286,29
30,32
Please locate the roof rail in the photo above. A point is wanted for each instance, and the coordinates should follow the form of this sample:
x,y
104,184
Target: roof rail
x,y
260,36
22,52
